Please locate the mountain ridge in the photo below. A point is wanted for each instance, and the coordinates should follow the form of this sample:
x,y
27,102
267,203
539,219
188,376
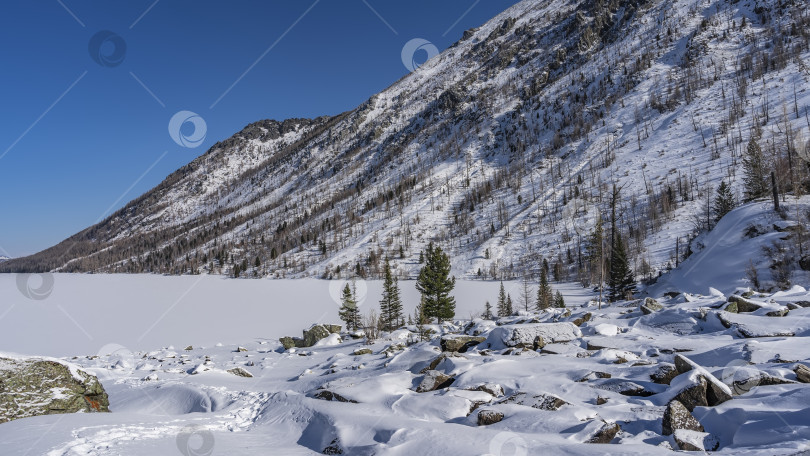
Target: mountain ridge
x,y
502,148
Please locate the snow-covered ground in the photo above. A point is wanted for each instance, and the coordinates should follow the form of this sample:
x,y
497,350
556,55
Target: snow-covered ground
x,y
167,398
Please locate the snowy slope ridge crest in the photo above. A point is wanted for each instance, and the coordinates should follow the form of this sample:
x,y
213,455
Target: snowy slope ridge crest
x,y
502,149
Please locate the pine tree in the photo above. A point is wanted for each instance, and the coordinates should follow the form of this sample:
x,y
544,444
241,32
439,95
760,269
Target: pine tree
x,y
621,284
502,302
559,301
435,284
509,309
349,312
544,293
487,311
723,201
390,304
755,172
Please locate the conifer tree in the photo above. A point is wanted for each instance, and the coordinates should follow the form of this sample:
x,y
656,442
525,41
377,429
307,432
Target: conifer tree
x,y
502,302
755,172
621,284
435,284
390,304
349,312
509,309
559,301
487,311
723,201
545,295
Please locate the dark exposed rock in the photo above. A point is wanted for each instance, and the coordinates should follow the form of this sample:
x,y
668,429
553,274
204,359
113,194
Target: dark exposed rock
x,y
744,304
487,417
362,351
676,417
459,343
581,320
332,396
594,375
606,433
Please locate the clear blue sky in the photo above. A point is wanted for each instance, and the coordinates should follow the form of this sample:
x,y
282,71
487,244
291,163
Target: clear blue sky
x,y
68,163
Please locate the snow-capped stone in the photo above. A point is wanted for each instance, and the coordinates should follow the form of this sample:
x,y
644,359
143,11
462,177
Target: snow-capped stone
x,y
606,433
434,380
526,335
239,372
650,305
688,440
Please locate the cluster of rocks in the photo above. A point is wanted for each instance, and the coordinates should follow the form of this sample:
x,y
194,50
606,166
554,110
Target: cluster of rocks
x,y
311,336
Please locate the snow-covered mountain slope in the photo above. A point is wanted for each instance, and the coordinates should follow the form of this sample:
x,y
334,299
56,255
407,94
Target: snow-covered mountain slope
x,y
502,149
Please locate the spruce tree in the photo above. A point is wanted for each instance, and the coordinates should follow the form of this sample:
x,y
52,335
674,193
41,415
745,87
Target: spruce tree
x,y
390,304
755,172
621,284
545,295
502,302
559,301
723,201
487,311
349,312
509,309
435,284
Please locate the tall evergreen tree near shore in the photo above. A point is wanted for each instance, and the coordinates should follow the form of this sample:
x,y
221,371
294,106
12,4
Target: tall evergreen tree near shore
x,y
435,284
390,304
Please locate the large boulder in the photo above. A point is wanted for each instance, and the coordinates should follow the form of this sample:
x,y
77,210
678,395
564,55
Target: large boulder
x,y
650,305
314,334
33,387
694,389
716,392
527,335
434,380
459,343
802,373
677,417
744,304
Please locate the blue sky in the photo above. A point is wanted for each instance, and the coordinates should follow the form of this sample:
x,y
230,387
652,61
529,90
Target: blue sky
x,y
81,136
